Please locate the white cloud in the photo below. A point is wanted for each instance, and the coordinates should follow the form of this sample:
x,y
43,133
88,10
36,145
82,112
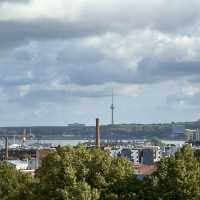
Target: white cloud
x,y
191,90
23,90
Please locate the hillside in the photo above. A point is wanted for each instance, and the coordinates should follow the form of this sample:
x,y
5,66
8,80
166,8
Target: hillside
x,y
119,131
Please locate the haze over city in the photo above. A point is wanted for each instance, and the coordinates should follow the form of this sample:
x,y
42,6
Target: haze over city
x,y
60,60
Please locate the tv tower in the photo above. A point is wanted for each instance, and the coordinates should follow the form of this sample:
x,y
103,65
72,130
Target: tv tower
x,y
112,109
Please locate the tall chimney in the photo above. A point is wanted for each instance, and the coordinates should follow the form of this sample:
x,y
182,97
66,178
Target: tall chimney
x,y
97,133
6,148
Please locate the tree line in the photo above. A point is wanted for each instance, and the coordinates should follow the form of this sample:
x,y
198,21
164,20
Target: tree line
x,y
91,174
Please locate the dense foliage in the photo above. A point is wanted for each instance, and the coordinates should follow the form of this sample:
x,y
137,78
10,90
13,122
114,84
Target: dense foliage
x,y
14,185
177,177
91,174
81,173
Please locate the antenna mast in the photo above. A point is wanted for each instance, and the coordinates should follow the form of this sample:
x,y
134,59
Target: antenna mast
x,y
112,109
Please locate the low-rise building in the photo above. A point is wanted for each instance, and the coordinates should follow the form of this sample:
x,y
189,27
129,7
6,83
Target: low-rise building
x,y
23,164
140,155
135,155
193,136
126,152
41,154
150,155
19,164
170,150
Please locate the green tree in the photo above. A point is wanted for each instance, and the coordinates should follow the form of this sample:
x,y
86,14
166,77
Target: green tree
x,y
13,183
85,174
197,154
177,177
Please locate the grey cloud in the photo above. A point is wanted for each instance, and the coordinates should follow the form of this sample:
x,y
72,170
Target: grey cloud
x,y
27,95
177,17
80,56
183,101
15,81
15,1
67,58
76,63
167,16
152,70
14,33
41,96
146,73
99,73
195,79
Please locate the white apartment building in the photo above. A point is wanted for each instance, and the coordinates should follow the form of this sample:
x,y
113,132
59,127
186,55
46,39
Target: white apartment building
x,y
135,155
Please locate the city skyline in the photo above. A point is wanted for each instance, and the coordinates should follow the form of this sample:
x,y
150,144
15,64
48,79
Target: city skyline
x,y
60,60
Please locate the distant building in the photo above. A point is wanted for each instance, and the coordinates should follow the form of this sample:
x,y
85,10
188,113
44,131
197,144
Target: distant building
x,y
147,156
29,157
142,155
25,166
135,154
115,151
19,164
41,154
169,150
193,136
18,153
32,164
150,155
126,152
76,125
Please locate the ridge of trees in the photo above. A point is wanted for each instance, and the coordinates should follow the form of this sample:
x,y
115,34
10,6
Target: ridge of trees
x,y
119,131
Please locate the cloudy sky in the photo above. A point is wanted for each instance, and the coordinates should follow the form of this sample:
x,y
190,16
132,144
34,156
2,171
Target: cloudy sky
x,y
59,61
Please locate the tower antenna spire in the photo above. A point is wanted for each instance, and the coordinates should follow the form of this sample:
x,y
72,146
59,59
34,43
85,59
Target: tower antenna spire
x,y
112,109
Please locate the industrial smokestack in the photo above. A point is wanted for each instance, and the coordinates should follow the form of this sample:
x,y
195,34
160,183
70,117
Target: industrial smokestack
x,y
6,148
97,133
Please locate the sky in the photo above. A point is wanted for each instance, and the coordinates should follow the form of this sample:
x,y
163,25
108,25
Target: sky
x,y
60,60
